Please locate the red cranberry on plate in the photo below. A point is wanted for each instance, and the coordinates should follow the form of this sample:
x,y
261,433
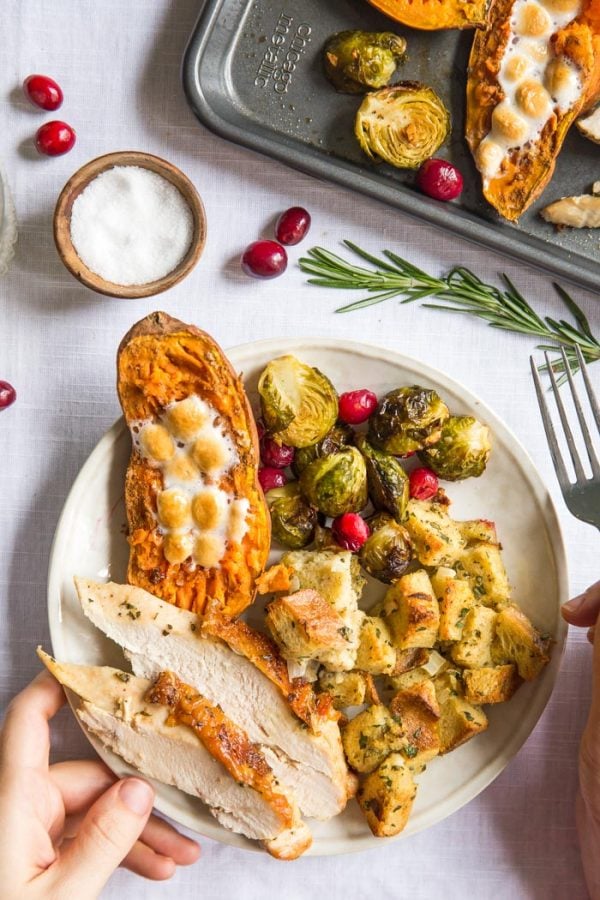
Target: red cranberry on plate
x,y
270,478
423,484
276,455
356,406
350,531
439,179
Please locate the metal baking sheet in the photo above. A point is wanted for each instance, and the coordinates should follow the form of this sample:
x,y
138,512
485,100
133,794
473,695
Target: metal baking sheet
x,y
253,74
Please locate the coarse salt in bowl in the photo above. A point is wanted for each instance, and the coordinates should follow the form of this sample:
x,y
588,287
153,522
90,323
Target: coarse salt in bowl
x,y
129,225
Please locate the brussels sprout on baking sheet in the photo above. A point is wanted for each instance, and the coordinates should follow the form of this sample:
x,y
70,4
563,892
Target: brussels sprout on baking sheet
x,y
387,481
356,61
387,551
292,519
402,125
407,419
337,438
462,451
337,483
299,404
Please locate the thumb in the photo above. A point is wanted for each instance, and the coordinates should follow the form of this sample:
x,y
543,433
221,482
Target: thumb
x,y
584,609
106,835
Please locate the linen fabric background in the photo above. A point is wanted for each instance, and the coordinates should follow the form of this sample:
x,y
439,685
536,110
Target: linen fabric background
x,y
118,63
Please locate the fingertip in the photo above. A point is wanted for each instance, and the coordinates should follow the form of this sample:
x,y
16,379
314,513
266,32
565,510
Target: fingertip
x,y
188,853
163,868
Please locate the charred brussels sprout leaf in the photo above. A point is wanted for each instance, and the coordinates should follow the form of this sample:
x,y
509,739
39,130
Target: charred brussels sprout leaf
x,y
387,551
337,483
324,540
462,450
402,125
292,519
359,60
387,481
339,437
299,404
407,419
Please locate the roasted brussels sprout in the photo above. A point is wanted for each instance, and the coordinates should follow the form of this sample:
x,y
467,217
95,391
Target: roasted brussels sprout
x,y
337,483
402,125
337,438
292,519
358,60
387,551
462,450
407,419
299,404
387,481
324,540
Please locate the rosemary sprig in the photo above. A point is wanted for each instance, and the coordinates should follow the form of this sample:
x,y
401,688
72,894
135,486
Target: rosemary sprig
x,y
460,291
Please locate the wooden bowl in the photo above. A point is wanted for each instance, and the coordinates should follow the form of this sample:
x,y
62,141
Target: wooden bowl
x,y
79,181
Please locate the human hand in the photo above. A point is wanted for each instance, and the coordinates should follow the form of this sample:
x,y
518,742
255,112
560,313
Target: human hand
x,y
65,828
583,611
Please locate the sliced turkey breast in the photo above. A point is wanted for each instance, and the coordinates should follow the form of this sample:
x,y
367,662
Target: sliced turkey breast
x,y
306,756
217,763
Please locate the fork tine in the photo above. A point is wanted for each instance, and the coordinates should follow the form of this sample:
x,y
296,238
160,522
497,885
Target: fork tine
x,y
582,423
588,387
579,473
555,453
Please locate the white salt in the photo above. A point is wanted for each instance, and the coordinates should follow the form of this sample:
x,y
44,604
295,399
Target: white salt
x,y
131,226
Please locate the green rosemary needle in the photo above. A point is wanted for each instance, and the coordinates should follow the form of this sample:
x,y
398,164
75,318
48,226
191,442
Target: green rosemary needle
x,y
460,291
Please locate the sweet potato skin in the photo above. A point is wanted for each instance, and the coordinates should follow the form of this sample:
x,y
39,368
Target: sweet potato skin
x,y
159,361
436,15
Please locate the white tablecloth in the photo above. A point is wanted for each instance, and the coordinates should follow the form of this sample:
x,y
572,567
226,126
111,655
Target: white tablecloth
x,y
118,63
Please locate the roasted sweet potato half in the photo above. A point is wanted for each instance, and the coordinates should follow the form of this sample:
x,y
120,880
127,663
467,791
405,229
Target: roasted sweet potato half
x,y
530,76
434,15
199,529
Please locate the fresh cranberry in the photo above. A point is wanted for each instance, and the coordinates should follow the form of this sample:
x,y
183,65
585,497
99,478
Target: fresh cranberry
x,y
350,531
8,395
271,478
356,406
276,455
292,225
54,138
439,179
43,91
423,484
264,259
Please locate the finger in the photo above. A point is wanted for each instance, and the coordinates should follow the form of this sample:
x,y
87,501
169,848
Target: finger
x,y
144,861
25,737
107,834
584,609
166,840
81,782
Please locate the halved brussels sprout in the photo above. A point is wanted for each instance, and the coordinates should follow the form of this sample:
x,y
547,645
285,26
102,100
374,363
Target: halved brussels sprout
x,y
292,519
299,404
387,481
337,483
337,438
407,419
387,551
402,125
462,450
357,60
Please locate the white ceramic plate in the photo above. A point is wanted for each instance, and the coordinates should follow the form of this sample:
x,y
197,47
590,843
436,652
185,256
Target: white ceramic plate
x,y
90,541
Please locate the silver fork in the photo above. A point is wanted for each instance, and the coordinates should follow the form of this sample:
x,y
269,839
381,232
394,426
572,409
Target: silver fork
x,y
582,496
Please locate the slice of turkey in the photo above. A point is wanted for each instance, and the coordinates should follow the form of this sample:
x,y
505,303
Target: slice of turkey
x,y
158,636
113,707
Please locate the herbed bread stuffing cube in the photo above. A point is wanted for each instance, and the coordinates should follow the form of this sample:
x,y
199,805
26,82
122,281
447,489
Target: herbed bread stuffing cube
x,y
491,684
417,710
305,626
436,537
481,564
520,642
456,599
386,796
376,654
370,737
459,720
412,612
346,688
474,650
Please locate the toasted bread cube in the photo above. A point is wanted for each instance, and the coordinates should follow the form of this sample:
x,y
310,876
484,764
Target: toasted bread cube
x,y
475,530
304,625
376,654
491,684
474,650
412,612
436,537
387,795
410,659
521,642
459,720
346,688
456,600
370,737
417,710
481,564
